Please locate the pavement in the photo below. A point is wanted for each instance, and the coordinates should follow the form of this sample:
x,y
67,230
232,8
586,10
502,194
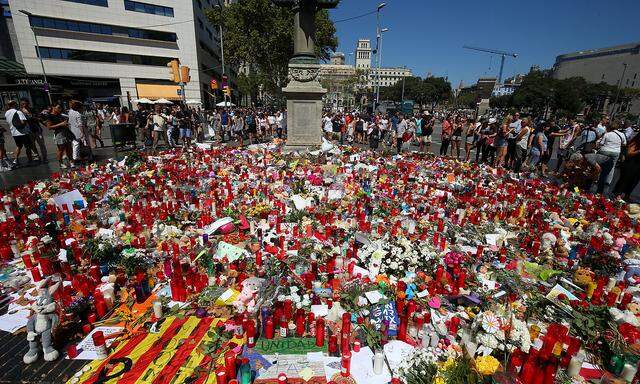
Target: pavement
x,y
30,173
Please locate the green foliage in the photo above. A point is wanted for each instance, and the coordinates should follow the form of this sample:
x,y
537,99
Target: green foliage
x,y
467,100
259,34
422,91
461,372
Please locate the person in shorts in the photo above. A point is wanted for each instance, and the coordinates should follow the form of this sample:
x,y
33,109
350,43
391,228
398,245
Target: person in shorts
x,y
184,124
456,136
426,130
62,136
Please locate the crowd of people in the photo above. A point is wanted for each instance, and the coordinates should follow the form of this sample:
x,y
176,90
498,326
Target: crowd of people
x,y
579,153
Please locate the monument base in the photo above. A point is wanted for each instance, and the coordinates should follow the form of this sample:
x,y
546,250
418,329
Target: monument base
x,y
304,107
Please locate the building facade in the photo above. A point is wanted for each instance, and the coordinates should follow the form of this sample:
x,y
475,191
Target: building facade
x,y
613,65
363,54
117,50
338,78
387,76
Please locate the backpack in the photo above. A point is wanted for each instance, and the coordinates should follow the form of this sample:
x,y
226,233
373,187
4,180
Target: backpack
x,y
623,146
589,146
19,124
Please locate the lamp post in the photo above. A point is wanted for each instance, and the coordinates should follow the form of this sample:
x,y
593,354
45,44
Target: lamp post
x,y
224,94
615,103
379,64
378,42
44,74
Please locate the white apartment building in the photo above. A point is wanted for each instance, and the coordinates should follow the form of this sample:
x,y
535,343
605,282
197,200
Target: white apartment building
x,y
388,76
118,49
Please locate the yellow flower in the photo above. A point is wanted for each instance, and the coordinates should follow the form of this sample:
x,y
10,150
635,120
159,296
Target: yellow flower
x,y
487,365
439,380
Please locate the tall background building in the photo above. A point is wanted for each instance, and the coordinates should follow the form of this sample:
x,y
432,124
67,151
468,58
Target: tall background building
x,y
112,50
612,65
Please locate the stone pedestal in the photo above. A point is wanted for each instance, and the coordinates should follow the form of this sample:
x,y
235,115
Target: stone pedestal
x,y
304,107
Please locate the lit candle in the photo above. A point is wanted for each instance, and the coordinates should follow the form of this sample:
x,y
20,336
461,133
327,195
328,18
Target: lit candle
x,y
629,372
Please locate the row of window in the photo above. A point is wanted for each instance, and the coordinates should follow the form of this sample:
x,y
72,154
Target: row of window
x,y
206,48
102,57
153,9
79,26
99,3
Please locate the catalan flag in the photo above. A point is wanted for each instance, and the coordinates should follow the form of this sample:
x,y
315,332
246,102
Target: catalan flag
x,y
169,356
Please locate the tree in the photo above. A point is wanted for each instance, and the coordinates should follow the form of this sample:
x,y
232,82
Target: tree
x,y
259,34
422,91
502,102
536,92
467,100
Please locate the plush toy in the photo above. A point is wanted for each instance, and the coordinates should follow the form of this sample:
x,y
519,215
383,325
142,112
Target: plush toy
x,y
42,323
632,265
583,277
247,298
560,249
548,240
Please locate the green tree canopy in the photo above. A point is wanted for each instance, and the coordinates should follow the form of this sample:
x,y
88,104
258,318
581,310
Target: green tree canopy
x,y
259,34
422,91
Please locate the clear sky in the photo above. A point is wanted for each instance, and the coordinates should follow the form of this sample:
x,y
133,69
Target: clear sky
x,y
428,35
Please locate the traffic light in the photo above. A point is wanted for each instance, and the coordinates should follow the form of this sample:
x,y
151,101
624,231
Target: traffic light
x,y
175,70
184,71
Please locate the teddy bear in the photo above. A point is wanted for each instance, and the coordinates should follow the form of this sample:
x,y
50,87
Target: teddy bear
x,y
583,277
246,300
560,250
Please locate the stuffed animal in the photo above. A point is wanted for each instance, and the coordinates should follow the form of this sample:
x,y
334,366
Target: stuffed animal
x,y
42,323
247,298
583,277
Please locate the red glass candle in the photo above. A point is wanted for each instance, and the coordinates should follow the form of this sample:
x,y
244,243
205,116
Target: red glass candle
x,y
626,299
221,376
251,334
91,318
230,364
288,309
320,332
27,261
300,326
35,273
345,370
333,345
268,328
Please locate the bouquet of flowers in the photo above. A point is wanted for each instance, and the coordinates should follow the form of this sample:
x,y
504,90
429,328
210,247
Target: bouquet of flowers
x,y
503,332
419,367
398,257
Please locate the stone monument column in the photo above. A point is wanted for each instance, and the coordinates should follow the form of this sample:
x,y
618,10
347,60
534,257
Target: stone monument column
x,y
304,92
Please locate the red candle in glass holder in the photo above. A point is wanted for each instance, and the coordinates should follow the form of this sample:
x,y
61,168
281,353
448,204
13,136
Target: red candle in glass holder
x,y
221,376
333,345
27,261
269,329
320,332
230,364
35,273
345,370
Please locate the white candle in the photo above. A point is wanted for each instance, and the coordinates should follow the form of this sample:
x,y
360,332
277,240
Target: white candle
x,y
575,365
629,372
612,283
378,360
157,309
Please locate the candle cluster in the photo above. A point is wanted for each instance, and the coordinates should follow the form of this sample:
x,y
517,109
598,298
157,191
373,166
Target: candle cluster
x,y
388,265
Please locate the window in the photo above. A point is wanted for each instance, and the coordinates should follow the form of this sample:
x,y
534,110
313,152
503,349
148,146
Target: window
x,y
152,9
103,57
99,3
79,26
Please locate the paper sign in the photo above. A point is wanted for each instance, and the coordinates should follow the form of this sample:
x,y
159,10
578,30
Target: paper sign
x,y
557,291
86,349
11,322
374,297
296,367
290,345
228,297
320,310
70,200
230,251
386,312
301,203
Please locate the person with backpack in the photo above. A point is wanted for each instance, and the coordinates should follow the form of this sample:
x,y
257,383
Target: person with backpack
x,y
19,128
609,148
36,130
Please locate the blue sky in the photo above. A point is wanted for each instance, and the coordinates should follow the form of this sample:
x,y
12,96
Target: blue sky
x,y
428,35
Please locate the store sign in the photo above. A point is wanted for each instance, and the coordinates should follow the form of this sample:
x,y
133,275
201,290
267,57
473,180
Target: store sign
x,y
30,81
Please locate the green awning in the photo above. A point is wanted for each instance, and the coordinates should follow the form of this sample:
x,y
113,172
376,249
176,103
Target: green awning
x,y
11,68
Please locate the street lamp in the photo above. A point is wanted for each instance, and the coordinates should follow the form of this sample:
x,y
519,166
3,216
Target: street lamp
x,y
224,94
615,103
44,74
378,37
383,30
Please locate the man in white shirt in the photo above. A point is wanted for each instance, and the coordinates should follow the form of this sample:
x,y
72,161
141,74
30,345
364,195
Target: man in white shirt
x,y
515,128
609,148
272,123
327,125
279,119
78,128
400,130
19,129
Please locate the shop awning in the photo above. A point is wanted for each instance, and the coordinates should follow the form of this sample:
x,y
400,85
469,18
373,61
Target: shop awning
x,y
158,91
11,68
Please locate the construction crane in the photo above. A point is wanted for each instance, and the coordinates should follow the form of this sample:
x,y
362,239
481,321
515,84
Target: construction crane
x,y
502,55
